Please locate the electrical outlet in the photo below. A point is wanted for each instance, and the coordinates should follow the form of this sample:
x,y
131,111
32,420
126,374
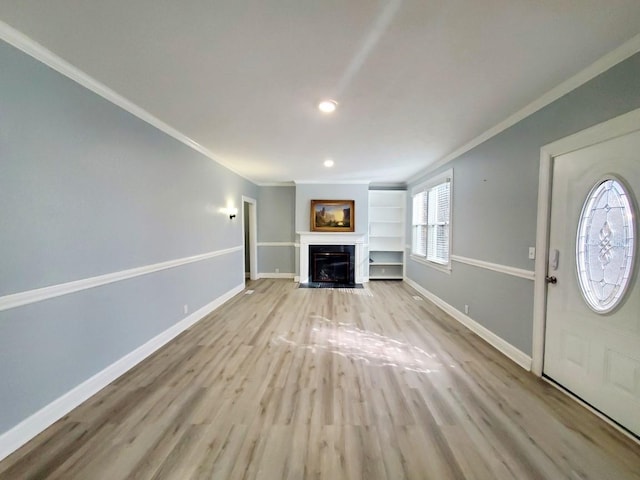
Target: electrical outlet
x,y
186,308
532,253
277,270
466,309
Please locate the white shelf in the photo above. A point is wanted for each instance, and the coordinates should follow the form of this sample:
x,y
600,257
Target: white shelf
x,y
386,234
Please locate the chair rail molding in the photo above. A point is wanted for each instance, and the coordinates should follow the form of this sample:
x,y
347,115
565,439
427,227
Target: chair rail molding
x,y
496,267
15,300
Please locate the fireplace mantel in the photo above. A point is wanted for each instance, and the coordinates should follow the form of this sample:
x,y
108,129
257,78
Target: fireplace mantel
x,y
331,238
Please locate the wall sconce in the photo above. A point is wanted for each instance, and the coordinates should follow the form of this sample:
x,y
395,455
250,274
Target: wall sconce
x,y
232,212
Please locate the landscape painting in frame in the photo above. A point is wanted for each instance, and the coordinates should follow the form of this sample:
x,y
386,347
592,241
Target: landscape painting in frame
x,y
332,216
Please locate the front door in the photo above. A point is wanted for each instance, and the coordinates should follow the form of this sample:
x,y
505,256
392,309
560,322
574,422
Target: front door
x,y
592,337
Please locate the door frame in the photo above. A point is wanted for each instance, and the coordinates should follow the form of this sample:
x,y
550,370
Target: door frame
x,y
253,235
616,127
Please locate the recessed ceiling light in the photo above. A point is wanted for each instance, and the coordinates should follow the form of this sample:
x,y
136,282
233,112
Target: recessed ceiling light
x,y
328,163
327,106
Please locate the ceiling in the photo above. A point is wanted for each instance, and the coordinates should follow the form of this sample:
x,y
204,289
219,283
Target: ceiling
x,y
415,79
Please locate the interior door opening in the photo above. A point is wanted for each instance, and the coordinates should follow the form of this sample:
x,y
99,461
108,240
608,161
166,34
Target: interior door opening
x,y
250,235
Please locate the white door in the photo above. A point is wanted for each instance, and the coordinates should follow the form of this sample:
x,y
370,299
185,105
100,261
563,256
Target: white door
x,y
592,337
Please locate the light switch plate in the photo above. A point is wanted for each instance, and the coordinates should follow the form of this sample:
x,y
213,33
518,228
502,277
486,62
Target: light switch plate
x,y
532,253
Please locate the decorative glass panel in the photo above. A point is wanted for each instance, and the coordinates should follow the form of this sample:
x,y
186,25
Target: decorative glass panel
x,y
605,246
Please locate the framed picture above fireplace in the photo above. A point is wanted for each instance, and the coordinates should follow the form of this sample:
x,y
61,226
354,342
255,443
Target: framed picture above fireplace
x,y
332,216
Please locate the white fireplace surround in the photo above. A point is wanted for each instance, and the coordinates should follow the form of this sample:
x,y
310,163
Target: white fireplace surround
x,y
330,238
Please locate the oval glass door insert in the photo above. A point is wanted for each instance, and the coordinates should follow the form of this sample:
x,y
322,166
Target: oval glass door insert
x,y
605,245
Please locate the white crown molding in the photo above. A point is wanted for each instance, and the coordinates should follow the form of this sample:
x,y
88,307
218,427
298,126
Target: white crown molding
x,y
37,295
276,184
496,267
42,54
624,51
20,434
392,187
487,335
332,182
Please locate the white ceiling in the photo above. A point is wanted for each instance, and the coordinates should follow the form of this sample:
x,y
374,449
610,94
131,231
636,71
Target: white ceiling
x,y
415,79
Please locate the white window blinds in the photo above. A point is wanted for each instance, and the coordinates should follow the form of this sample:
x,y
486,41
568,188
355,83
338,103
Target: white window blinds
x,y
438,223
419,225
431,222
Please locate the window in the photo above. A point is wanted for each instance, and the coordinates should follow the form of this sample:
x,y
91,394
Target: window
x,y
431,220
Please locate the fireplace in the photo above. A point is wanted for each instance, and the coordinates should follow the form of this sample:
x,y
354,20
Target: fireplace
x,y
360,259
332,264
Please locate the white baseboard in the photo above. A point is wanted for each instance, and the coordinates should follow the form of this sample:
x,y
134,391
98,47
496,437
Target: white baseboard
x,y
487,335
275,275
46,416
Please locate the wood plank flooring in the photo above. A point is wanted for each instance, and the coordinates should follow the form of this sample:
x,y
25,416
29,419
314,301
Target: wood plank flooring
x,y
291,383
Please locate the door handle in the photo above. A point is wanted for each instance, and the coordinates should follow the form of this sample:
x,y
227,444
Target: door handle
x,y
552,280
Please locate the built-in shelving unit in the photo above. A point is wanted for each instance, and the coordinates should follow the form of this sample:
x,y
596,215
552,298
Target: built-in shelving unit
x,y
386,234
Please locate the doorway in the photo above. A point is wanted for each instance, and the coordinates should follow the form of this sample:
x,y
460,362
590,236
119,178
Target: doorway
x,y
250,236
587,327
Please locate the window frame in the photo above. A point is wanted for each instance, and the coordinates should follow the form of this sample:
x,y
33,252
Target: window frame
x,y
424,188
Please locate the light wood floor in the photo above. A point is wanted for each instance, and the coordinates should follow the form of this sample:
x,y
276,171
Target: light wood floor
x,y
291,383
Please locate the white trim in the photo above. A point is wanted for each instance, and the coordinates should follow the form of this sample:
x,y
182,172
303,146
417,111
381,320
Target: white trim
x,y
618,126
487,335
39,294
332,182
276,275
542,252
20,434
433,181
40,53
496,267
425,187
601,65
277,184
253,235
441,267
361,266
276,244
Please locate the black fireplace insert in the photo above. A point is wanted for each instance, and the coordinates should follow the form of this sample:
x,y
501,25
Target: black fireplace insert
x,y
332,264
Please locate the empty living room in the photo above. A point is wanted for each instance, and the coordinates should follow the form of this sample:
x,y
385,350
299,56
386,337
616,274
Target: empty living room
x,y
320,240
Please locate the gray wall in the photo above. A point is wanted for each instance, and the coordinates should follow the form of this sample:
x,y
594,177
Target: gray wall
x,y
276,221
307,192
495,204
88,189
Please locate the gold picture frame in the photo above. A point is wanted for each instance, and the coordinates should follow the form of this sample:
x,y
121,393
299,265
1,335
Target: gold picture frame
x,y
332,215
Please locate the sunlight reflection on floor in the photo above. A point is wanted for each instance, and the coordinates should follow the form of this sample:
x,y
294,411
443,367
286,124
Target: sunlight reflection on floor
x,y
349,341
